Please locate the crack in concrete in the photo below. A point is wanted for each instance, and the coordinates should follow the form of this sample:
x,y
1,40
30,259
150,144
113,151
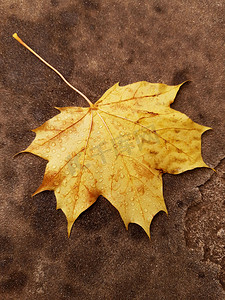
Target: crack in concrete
x,y
215,172
204,249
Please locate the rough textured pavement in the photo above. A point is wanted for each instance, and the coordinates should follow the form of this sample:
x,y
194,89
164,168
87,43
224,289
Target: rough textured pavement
x,y
96,44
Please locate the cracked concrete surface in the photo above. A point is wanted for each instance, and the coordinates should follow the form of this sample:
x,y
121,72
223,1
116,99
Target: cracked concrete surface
x,y
96,44
205,222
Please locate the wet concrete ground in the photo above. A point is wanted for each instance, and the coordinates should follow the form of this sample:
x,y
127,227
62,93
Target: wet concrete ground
x,y
96,44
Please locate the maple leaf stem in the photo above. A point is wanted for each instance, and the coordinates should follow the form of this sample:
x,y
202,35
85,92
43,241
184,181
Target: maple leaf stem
x,y
51,67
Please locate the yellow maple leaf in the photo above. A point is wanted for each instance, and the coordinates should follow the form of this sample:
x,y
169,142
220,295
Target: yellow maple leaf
x,y
118,147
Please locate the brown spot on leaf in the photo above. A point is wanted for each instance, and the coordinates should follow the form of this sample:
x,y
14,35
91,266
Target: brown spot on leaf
x,y
92,193
152,152
176,130
141,189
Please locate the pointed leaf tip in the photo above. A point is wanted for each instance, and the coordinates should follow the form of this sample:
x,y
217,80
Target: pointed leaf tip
x,y
69,227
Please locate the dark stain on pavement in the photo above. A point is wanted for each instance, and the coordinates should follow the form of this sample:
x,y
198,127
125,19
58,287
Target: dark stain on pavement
x,y
15,282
